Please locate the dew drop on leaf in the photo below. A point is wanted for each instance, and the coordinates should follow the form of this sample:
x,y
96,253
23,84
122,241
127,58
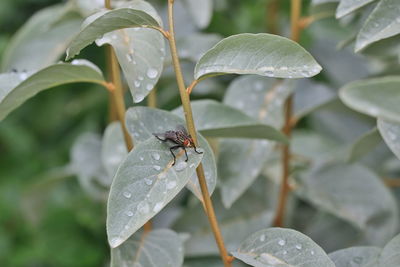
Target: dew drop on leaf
x,y
155,156
180,166
152,73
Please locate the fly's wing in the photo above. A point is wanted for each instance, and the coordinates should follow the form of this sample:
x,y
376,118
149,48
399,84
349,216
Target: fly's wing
x,y
182,130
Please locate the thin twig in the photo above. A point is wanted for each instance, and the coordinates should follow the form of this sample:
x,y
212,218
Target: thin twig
x,y
209,209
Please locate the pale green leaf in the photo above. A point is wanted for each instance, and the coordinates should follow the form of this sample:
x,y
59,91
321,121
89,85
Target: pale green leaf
x,y
348,6
263,54
235,223
201,11
144,183
378,97
42,40
142,122
390,256
356,257
241,161
383,22
215,119
282,247
364,144
352,193
140,53
108,21
390,132
113,148
158,248
52,76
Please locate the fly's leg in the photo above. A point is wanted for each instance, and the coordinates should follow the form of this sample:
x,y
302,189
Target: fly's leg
x,y
163,140
198,152
186,160
171,150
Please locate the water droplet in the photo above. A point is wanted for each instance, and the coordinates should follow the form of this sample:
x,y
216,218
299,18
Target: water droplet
x,y
129,57
127,194
152,73
156,167
23,75
162,49
284,68
143,207
137,83
155,156
171,185
162,175
305,73
139,97
312,252
284,252
262,238
281,242
180,166
158,207
298,246
129,213
270,259
148,181
140,78
141,158
149,87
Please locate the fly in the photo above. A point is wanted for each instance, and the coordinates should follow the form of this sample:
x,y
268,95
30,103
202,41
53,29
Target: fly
x,y
180,138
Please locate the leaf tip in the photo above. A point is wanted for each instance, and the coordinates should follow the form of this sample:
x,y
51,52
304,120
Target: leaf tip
x,y
115,242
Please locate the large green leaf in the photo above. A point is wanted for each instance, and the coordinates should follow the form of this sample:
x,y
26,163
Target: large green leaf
x,y
113,148
347,6
341,190
383,22
144,183
390,256
364,144
42,40
356,257
200,11
142,122
158,248
215,119
140,53
86,164
377,97
52,76
262,54
241,161
390,132
235,223
106,21
282,247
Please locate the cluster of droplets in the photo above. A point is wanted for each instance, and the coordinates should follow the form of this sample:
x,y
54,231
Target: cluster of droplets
x,y
284,72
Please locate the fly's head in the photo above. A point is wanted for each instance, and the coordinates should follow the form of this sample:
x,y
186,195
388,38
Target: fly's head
x,y
188,142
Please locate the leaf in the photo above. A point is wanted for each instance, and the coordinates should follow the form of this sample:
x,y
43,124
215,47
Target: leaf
x,y
356,257
383,22
214,119
158,248
142,122
281,247
263,54
348,6
113,148
106,21
390,133
86,164
340,189
42,40
377,97
310,96
201,11
390,256
241,161
235,223
144,183
140,53
52,76
193,47
364,144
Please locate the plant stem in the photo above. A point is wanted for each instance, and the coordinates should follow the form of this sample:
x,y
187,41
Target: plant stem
x,y
287,129
152,98
272,16
209,209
